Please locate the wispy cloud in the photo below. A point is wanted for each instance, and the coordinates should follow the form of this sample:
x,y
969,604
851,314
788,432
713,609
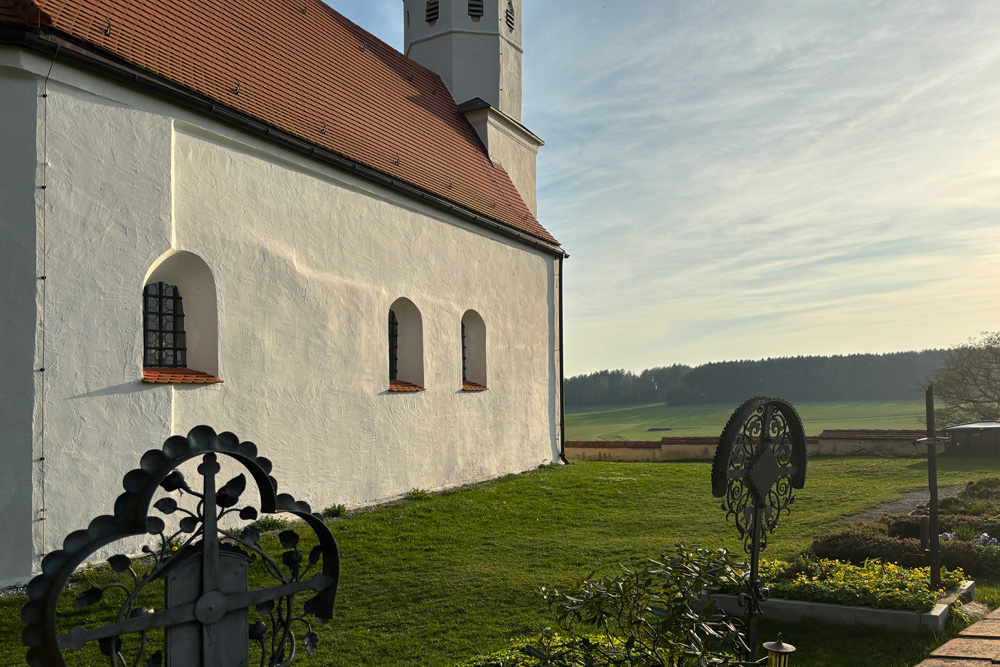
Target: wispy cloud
x,y
747,179
758,179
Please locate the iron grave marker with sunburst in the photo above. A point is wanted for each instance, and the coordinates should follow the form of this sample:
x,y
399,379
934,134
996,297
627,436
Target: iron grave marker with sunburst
x,y
761,458
200,571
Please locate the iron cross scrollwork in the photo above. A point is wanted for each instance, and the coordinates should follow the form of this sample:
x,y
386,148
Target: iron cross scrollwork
x,y
760,459
202,570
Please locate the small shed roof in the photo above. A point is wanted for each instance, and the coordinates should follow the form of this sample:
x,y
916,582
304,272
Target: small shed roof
x,y
974,426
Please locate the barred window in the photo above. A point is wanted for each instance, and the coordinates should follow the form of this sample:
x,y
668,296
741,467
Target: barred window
x,y
393,346
432,11
165,344
510,16
475,8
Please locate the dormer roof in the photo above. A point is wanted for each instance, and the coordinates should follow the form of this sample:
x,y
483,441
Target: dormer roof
x,y
304,70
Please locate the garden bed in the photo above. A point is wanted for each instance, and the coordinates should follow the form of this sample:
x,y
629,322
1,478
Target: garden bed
x,y
966,523
874,594
778,610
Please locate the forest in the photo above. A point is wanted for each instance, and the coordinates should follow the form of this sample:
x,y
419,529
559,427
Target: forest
x,y
854,377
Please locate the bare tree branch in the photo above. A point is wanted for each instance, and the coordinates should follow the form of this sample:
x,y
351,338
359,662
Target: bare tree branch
x,y
968,384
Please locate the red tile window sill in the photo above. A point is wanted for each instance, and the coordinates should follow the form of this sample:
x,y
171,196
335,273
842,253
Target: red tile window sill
x,y
472,386
177,376
400,386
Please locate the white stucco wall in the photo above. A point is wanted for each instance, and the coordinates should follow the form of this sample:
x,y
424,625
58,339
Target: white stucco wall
x,y
18,311
511,147
306,261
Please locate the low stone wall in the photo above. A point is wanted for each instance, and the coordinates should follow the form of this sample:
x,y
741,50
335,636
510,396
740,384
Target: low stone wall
x,y
835,442
642,450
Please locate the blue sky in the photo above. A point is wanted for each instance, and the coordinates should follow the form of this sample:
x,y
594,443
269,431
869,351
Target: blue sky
x,y
741,180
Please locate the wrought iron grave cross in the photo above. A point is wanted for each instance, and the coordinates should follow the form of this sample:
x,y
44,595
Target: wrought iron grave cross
x,y
761,457
203,570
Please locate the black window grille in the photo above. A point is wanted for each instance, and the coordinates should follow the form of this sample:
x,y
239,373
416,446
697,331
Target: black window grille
x,y
464,357
165,343
393,346
432,11
510,16
475,8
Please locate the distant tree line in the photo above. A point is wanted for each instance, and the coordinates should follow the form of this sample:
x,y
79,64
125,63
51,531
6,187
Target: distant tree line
x,y
855,377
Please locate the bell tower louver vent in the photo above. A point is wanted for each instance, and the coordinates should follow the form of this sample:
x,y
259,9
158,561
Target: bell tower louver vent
x,y
473,45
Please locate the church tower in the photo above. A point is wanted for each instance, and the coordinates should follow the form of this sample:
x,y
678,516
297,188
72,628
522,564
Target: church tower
x,y
475,47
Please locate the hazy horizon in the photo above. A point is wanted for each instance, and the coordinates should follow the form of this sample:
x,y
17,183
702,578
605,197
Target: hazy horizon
x,y
637,371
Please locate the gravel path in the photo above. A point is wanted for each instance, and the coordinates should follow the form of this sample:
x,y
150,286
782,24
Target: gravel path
x,y
904,505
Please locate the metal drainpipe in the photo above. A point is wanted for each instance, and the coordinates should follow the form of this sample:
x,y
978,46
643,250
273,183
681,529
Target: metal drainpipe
x,y
562,375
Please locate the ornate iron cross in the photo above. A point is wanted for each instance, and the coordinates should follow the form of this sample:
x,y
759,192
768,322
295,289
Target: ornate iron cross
x,y
761,457
205,616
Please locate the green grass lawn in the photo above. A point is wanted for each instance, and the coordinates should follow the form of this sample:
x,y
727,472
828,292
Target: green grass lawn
x,y
632,422
433,581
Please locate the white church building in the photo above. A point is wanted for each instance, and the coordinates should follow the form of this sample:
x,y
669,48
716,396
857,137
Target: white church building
x,y
257,216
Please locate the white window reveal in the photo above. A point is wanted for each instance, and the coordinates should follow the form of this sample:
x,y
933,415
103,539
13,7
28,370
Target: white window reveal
x,y
405,346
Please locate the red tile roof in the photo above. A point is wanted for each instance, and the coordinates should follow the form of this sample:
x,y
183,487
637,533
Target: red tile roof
x,y
306,70
177,376
399,385
472,386
9,13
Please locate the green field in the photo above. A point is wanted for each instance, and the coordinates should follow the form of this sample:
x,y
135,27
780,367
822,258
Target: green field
x,y
632,422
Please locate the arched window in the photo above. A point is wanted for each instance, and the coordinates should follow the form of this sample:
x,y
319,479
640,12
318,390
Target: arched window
x,y
433,12
476,9
511,24
180,321
473,352
406,347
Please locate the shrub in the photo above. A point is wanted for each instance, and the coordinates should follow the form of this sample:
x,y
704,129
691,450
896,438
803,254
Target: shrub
x,y
873,583
646,616
268,522
417,494
990,524
903,525
952,505
858,543
861,542
988,488
517,656
980,507
965,533
334,511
